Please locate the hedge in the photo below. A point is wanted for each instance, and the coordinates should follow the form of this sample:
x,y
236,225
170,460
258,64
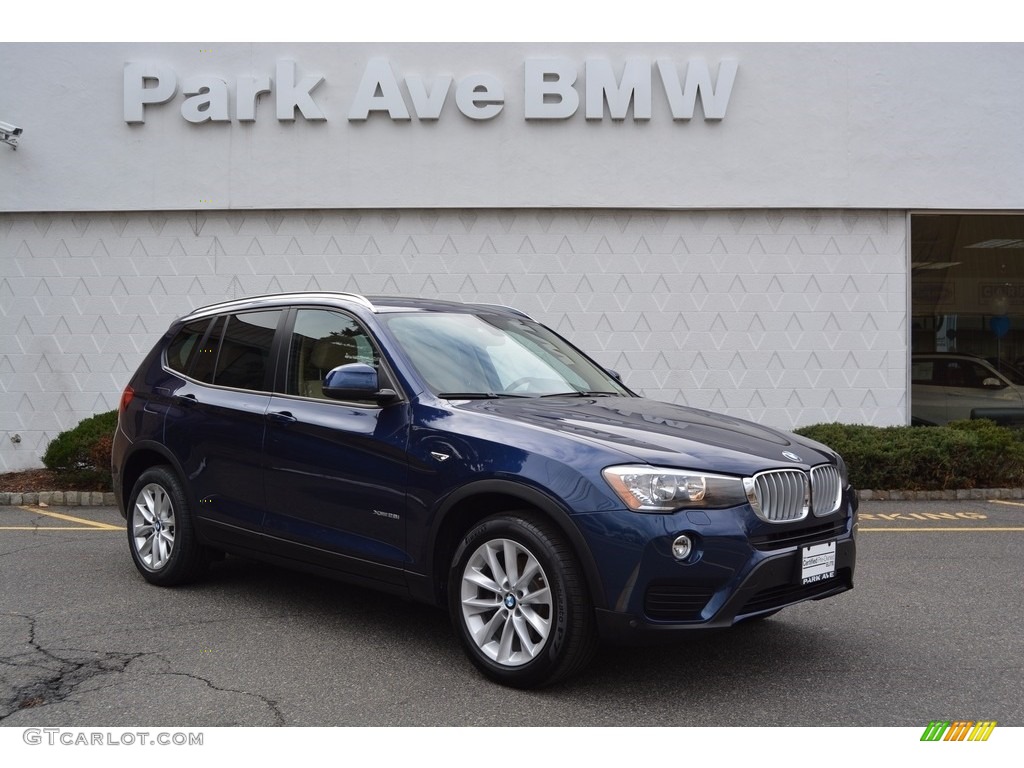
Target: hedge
x,y
80,457
959,455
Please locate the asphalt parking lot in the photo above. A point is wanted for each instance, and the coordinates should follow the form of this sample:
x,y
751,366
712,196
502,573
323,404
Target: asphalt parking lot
x,y
933,630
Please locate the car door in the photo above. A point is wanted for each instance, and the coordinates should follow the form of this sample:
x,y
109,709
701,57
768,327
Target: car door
x,y
215,417
335,471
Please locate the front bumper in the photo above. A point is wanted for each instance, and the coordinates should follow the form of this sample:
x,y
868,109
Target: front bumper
x,y
741,568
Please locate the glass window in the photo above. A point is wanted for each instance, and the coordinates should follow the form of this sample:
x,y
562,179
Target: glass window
x,y
323,340
185,347
967,289
468,354
244,353
205,357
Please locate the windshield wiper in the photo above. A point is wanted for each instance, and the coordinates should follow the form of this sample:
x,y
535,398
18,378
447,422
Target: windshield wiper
x,y
478,395
580,393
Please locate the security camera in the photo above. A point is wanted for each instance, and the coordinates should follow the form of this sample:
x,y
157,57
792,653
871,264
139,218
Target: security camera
x,y
9,134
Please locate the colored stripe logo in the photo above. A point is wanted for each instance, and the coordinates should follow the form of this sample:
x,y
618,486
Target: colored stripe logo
x,y
958,730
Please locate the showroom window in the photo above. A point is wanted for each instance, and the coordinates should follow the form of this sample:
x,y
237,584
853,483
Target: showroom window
x,y
967,289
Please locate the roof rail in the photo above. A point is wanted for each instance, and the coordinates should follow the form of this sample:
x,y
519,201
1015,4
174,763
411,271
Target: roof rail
x,y
505,307
250,300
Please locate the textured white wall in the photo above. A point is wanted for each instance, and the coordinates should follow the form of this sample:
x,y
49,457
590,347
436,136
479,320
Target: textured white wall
x,y
784,317
890,126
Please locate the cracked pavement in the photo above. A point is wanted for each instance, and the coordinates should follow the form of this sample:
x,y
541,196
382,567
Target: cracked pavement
x,y
84,641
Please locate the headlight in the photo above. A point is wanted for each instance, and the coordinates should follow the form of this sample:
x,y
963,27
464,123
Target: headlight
x,y
659,489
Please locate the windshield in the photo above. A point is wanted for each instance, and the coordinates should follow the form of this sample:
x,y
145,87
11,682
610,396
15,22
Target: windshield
x,y
1012,372
463,355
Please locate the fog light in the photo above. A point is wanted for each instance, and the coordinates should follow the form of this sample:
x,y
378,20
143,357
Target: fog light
x,y
682,547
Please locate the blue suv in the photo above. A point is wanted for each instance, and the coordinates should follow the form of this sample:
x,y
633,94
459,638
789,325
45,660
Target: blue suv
x,y
469,457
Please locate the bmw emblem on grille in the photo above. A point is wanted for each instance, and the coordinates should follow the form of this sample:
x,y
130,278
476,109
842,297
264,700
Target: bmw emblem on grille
x,y
791,456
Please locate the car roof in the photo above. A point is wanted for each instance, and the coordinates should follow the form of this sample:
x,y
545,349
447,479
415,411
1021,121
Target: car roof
x,y
375,304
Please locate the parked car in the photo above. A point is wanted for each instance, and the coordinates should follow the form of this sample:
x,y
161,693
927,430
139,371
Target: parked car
x,y
469,457
948,387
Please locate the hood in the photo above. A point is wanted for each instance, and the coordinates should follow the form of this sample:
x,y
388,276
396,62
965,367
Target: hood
x,y
661,433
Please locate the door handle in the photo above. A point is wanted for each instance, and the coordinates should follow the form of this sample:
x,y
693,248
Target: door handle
x,y
188,399
281,417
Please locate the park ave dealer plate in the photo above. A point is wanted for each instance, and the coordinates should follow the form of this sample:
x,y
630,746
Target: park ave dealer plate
x,y
817,562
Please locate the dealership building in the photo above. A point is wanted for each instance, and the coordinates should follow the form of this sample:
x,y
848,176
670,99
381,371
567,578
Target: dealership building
x,y
772,231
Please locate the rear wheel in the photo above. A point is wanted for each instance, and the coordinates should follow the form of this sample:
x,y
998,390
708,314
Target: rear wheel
x,y
161,537
519,602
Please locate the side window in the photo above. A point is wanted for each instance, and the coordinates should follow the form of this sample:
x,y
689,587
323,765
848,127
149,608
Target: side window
x,y
184,349
205,356
922,372
978,374
322,340
244,352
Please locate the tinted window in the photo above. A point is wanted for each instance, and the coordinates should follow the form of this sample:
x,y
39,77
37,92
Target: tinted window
x,y
231,351
184,349
205,356
322,340
244,353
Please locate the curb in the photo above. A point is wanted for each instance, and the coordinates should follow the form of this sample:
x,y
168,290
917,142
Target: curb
x,y
962,494
59,499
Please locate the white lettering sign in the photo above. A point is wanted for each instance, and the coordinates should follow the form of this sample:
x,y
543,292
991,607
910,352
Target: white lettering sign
x,y
551,91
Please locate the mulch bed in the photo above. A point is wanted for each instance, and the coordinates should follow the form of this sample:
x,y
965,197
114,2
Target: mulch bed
x,y
36,480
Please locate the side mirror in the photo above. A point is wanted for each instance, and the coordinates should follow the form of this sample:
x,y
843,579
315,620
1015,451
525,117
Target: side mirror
x,y
356,381
614,374
992,383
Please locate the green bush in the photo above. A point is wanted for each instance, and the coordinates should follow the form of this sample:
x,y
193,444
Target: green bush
x,y
961,454
81,456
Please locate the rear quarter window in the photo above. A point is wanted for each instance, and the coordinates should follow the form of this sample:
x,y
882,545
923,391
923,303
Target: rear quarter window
x,y
233,351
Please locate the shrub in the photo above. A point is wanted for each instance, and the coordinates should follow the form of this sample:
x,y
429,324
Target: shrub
x,y
961,454
80,457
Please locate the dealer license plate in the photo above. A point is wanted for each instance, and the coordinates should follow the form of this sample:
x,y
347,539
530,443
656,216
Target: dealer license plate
x,y
817,562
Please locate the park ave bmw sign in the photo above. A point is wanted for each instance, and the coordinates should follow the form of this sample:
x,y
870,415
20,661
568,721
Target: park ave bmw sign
x,y
551,90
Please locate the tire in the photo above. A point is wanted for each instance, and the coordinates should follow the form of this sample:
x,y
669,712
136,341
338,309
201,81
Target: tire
x,y
161,537
529,625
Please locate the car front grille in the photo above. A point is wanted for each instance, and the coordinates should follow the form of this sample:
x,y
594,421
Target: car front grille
x,y
788,495
781,495
826,489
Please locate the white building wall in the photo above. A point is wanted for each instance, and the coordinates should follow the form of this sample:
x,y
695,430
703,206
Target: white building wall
x,y
844,126
784,317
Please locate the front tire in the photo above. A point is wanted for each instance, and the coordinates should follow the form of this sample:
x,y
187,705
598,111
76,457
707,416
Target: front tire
x,y
161,537
519,602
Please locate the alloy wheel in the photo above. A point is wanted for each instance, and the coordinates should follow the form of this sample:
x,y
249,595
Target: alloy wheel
x,y
506,602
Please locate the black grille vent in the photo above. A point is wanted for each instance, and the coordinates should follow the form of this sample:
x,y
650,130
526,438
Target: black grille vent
x,y
806,535
776,597
676,603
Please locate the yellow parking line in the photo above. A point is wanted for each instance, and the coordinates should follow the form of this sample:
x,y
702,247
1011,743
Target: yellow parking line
x,y
941,530
57,528
91,525
1007,503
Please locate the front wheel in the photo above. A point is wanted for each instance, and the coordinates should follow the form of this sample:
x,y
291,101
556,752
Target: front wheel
x,y
519,602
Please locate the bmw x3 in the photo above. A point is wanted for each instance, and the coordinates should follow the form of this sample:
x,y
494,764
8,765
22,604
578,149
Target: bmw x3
x,y
466,456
